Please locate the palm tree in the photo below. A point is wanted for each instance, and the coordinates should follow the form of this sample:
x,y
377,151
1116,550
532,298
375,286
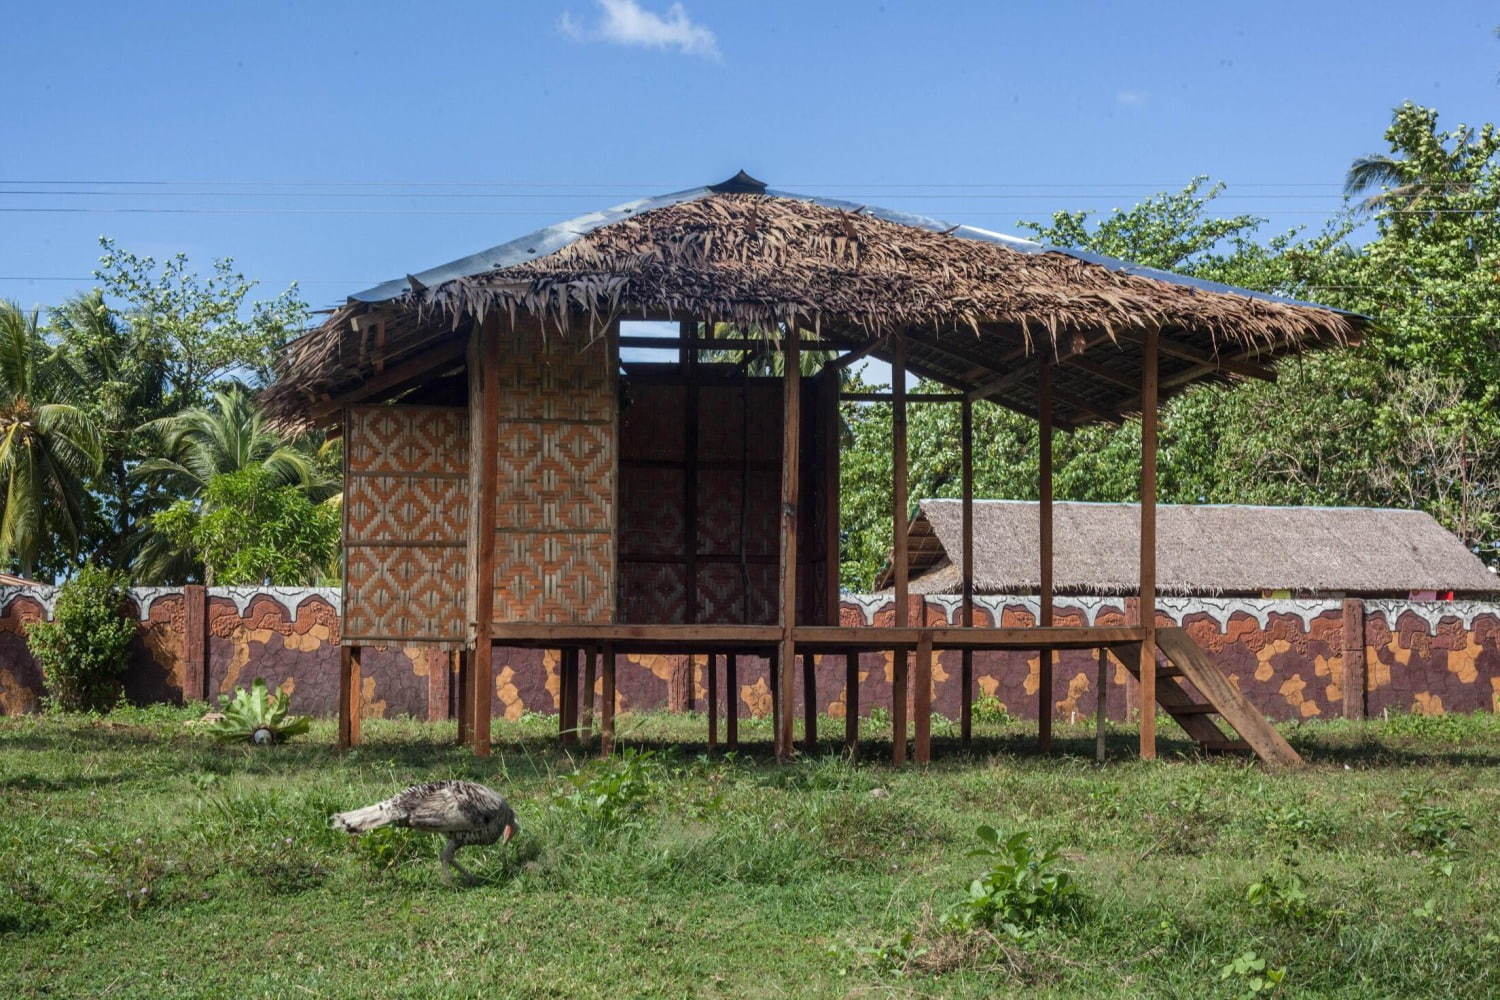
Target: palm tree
x,y
227,435
48,446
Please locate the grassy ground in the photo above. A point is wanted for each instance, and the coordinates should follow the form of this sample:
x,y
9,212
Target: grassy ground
x,y
138,859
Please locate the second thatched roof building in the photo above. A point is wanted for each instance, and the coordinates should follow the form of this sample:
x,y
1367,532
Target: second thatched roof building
x,y
1219,550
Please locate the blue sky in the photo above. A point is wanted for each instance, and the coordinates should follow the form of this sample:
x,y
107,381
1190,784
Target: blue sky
x,y
342,144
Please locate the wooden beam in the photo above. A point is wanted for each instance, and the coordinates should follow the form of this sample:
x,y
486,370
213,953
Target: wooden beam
x,y
911,397
607,702
809,704
350,701
899,517
966,619
397,379
922,698
731,700
851,702
830,455
1044,548
1147,671
567,696
691,343
484,443
858,354
1353,682
791,417
712,683
1207,360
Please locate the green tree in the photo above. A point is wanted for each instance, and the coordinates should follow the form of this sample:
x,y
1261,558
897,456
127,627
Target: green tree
x,y
248,528
48,445
195,447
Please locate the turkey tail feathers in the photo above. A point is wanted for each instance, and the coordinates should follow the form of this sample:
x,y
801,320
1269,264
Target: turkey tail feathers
x,y
363,820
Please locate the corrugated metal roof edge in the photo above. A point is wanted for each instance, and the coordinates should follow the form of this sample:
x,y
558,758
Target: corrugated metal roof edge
x,y
555,237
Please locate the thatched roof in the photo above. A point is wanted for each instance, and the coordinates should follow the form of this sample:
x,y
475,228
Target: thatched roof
x,y
1201,549
975,306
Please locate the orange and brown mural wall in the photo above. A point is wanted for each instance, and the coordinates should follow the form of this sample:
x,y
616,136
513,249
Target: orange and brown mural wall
x,y
1295,659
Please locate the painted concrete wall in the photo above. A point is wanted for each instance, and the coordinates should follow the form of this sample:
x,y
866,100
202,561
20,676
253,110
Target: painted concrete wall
x,y
1288,656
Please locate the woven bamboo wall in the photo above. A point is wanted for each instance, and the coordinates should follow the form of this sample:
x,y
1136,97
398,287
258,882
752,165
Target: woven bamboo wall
x,y
405,522
554,514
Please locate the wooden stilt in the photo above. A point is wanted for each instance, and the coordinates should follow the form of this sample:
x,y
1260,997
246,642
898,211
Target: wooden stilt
x,y
461,698
809,704
1044,547
773,678
350,701
484,443
713,700
567,696
922,698
1101,705
732,701
607,702
1147,671
586,722
966,664
791,416
899,564
851,702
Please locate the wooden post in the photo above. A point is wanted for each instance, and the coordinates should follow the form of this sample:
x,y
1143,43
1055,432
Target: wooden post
x,y
809,703
898,544
1147,671
350,701
484,443
465,714
966,670
713,700
586,722
922,697
195,643
732,700
830,474
1101,705
1354,658
567,696
607,702
688,358
851,702
791,418
773,679
1044,547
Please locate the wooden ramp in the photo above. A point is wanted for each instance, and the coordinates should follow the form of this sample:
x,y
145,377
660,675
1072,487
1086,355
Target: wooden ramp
x,y
1188,661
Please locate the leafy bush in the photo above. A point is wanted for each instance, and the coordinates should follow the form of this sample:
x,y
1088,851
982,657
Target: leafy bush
x,y
258,716
1250,973
991,711
1023,889
1430,827
609,794
82,650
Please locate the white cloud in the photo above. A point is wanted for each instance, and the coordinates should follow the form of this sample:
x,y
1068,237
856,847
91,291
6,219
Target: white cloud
x,y
1131,98
625,22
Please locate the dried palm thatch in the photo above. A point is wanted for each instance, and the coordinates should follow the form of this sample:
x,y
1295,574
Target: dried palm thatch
x,y
970,308
1201,549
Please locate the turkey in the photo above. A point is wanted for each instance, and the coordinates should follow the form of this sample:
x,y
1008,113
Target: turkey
x,y
466,812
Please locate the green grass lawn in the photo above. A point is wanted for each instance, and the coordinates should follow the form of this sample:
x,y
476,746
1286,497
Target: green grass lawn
x,y
139,859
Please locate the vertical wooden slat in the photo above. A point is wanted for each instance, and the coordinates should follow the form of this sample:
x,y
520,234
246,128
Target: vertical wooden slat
x,y
830,476
484,439
195,643
1147,671
922,697
899,544
809,703
586,722
567,692
851,702
688,330
966,669
791,415
464,692
732,700
1354,658
607,702
1101,705
713,700
1044,548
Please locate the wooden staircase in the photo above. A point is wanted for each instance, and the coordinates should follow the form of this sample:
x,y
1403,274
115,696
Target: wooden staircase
x,y
1188,662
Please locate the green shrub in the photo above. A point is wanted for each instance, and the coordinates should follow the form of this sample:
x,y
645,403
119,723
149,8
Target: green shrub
x,y
609,794
258,716
1283,898
1023,889
83,649
1429,827
989,710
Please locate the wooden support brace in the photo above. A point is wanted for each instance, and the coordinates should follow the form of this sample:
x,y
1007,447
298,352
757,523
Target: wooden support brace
x,y
567,691
195,643
1147,671
712,683
586,721
922,699
1101,705
791,401
1354,659
899,687
461,697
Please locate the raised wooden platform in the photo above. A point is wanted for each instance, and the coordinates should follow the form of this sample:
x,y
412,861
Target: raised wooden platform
x,y
808,638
